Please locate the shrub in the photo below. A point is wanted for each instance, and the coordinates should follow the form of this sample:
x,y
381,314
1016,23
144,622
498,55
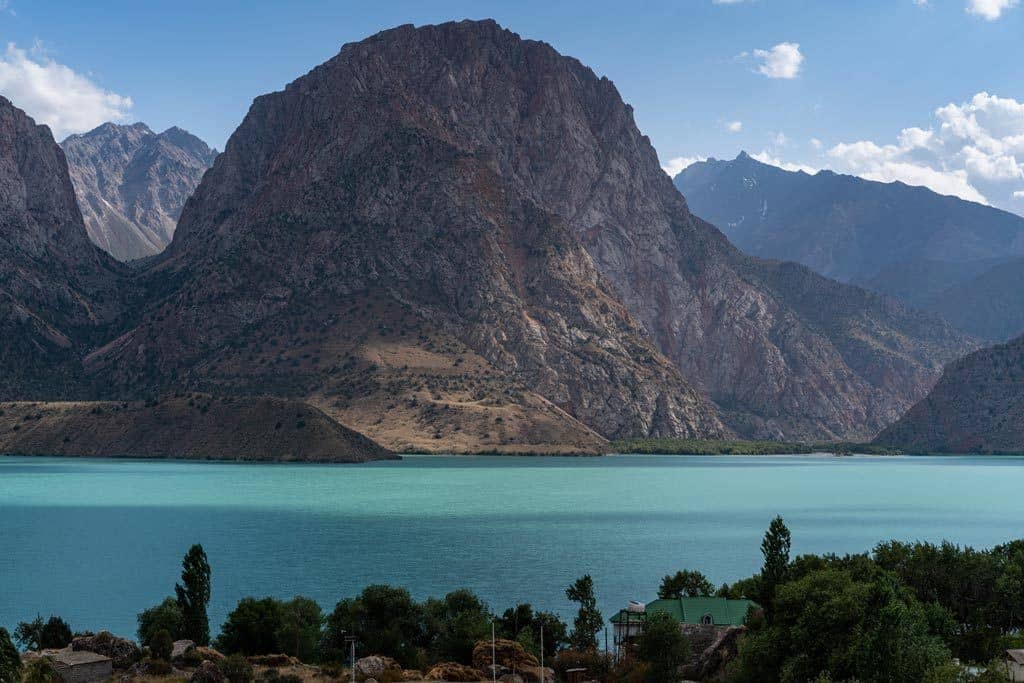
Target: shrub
x,y
163,617
161,645
663,647
56,634
236,669
41,671
10,661
158,667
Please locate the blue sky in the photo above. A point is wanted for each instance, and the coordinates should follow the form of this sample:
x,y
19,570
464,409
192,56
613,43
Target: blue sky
x,y
866,71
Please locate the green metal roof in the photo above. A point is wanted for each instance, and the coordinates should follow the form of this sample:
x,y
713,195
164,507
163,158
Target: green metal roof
x,y
724,612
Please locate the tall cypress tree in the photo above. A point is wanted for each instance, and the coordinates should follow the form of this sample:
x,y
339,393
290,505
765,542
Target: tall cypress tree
x,y
588,620
194,595
775,548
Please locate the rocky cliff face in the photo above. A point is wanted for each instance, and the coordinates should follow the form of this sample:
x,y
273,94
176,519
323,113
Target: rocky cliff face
x,y
58,292
500,194
977,407
132,183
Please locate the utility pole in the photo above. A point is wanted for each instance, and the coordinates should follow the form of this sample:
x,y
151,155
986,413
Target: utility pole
x,y
351,640
543,675
494,657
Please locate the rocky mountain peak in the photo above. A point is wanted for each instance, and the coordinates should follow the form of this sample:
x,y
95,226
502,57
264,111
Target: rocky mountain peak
x,y
131,184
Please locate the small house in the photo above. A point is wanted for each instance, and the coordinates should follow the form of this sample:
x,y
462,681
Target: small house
x,y
82,666
701,618
1014,660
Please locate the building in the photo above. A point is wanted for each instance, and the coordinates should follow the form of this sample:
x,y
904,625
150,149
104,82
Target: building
x,y
81,666
702,619
1014,660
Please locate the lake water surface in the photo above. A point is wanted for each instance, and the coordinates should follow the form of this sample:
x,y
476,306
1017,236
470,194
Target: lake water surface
x,y
96,541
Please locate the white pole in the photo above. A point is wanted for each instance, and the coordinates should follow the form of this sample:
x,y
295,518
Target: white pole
x,y
353,650
494,657
543,676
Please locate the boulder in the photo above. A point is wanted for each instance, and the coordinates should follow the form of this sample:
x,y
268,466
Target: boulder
x,y
207,672
180,648
208,654
456,673
412,675
534,674
508,654
122,651
375,666
711,663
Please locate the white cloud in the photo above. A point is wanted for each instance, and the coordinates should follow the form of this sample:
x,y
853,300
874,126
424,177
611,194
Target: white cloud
x,y
54,94
816,143
1019,194
990,10
677,164
734,126
976,152
921,3
782,61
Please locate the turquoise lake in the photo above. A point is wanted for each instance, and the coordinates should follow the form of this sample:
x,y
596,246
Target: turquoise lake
x,y
96,541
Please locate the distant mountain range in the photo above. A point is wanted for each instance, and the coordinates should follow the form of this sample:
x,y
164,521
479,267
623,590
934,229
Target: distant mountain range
x,y
132,183
960,259
449,238
977,406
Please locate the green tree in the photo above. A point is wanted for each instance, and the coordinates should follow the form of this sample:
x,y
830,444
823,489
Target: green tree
x,y
10,660
56,634
522,624
161,645
588,621
385,620
686,583
163,617
454,624
664,647
252,627
193,594
29,634
850,627
301,627
775,549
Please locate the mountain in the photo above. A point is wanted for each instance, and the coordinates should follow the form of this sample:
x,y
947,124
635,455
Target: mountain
x,y
132,183
58,292
977,407
990,304
451,235
904,241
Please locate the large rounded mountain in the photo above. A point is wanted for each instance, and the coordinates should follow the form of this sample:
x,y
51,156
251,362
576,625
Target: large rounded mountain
x,y
450,233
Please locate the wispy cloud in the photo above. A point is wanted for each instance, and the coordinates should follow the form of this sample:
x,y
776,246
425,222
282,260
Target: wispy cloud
x,y
734,126
55,94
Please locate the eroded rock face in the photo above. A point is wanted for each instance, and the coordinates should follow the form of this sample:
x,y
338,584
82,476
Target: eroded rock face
x,y
977,407
377,172
132,183
505,190
57,291
124,652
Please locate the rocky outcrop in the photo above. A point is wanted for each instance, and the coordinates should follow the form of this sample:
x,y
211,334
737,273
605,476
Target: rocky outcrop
x,y
122,651
506,653
456,673
132,183
711,663
206,672
184,426
977,407
58,293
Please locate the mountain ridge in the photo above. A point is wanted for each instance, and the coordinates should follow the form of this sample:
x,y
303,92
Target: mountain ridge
x,y
897,239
